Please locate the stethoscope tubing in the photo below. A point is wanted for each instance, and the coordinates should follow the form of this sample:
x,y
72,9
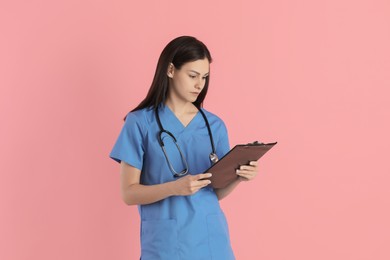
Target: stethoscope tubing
x,y
213,156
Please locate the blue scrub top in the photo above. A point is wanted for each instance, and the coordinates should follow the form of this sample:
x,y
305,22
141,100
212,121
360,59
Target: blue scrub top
x,y
178,227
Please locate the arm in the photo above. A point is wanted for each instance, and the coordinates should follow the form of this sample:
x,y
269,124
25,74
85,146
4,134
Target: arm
x,y
135,193
223,192
245,173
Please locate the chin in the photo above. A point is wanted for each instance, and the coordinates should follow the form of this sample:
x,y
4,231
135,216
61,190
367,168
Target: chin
x,y
191,99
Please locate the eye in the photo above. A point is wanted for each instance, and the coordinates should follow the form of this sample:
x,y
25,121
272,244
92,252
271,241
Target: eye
x,y
192,76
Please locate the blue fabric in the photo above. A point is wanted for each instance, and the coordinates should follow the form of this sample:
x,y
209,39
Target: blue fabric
x,y
178,227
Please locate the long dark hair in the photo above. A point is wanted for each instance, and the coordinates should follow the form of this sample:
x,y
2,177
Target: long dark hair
x,y
179,51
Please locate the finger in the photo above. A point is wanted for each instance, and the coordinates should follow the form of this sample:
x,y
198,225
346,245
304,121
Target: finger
x,y
201,183
246,176
196,189
247,167
203,176
246,173
254,163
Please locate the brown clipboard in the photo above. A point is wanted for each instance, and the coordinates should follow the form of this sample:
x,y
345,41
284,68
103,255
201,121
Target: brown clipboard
x,y
224,171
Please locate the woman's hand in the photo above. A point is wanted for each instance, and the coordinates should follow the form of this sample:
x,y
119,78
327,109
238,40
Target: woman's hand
x,y
190,184
248,172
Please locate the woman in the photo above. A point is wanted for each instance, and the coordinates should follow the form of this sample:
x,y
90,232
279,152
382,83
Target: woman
x,y
165,145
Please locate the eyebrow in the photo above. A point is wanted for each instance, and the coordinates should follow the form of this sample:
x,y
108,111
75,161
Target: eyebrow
x,y
199,73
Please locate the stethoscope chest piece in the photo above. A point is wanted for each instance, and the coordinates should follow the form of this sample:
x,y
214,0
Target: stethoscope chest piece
x,y
213,157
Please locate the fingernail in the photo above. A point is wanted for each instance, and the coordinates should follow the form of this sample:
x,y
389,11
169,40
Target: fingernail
x,y
237,171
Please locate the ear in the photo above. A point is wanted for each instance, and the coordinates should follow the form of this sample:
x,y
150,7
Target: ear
x,y
171,70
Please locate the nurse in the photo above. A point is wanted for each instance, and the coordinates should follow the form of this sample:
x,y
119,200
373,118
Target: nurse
x,y
165,145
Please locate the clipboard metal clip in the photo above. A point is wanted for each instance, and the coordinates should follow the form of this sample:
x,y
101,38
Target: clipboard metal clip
x,y
256,143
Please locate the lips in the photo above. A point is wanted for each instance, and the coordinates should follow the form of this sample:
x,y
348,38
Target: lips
x,y
195,93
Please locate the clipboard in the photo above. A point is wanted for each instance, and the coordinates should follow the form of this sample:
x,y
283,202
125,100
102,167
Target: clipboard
x,y
224,171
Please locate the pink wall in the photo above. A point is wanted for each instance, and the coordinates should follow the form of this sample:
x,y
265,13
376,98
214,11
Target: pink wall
x,y
312,75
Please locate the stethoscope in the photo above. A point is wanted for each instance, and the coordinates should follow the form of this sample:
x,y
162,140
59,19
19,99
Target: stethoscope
x,y
213,156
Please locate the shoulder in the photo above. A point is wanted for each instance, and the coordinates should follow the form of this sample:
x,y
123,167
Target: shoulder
x,y
211,116
140,118
220,132
214,120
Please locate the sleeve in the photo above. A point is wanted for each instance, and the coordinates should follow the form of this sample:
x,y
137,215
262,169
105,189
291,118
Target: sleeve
x,y
129,146
222,145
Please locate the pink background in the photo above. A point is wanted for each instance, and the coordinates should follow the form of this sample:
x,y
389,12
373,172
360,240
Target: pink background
x,y
312,75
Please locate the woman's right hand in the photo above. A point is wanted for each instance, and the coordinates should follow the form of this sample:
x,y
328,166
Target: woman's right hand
x,y
190,184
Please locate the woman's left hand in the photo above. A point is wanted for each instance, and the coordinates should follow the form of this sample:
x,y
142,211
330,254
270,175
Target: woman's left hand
x,y
248,172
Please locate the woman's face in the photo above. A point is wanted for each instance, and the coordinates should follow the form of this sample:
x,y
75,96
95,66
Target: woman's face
x,y
186,83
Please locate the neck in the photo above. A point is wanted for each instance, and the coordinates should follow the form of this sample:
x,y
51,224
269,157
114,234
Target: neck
x,y
180,108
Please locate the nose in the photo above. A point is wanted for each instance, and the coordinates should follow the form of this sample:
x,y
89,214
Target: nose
x,y
199,84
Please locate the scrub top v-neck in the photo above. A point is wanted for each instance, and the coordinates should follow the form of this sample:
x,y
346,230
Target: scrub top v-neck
x,y
178,227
